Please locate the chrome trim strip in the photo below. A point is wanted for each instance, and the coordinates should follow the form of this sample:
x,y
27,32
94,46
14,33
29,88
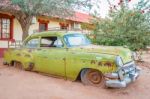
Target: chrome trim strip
x,y
129,64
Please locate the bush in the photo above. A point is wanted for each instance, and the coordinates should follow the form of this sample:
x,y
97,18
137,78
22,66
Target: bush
x,y
124,27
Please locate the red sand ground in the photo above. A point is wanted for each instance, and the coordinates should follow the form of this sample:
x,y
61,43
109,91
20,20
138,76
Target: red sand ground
x,y
19,84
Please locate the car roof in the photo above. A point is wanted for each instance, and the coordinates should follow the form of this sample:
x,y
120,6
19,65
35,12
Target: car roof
x,y
54,33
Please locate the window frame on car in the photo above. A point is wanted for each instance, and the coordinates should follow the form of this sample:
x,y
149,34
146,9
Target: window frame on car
x,y
25,44
63,45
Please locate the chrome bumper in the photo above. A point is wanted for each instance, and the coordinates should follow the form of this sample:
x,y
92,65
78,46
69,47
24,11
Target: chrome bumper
x,y
124,76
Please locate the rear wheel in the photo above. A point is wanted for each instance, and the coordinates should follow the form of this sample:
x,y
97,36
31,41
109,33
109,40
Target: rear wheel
x,y
92,77
5,63
18,65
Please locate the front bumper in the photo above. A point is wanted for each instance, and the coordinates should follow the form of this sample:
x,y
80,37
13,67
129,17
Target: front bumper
x,y
125,75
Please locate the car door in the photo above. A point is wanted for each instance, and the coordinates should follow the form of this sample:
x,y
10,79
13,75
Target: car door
x,y
27,52
51,56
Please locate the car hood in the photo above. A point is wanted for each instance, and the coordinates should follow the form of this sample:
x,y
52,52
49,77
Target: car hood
x,y
123,52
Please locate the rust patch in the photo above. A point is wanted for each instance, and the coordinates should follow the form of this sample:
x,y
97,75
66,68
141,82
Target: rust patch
x,y
99,63
93,61
30,66
26,55
109,64
18,54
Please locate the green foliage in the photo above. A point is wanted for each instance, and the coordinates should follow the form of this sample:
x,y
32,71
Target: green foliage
x,y
125,27
61,8
25,10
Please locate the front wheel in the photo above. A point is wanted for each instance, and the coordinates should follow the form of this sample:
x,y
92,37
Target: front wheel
x,y
92,77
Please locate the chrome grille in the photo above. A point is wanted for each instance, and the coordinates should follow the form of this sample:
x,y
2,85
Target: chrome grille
x,y
129,67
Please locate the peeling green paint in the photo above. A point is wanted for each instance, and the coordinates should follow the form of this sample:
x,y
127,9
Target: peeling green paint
x,y
67,62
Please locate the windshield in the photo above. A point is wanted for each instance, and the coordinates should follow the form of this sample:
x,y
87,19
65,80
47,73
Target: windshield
x,y
73,40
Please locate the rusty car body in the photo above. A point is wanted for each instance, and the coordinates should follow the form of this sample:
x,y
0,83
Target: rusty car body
x,y
72,56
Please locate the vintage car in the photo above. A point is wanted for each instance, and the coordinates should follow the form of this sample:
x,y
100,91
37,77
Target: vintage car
x,y
71,56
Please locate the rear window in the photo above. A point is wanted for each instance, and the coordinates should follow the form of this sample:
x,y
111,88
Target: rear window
x,y
33,43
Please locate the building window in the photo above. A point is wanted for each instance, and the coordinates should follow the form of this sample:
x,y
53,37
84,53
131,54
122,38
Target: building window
x,y
43,25
4,28
64,26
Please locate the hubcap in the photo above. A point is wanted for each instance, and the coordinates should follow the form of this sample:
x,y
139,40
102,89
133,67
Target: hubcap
x,y
94,77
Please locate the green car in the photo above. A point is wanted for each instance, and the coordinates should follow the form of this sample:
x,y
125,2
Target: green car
x,y
72,56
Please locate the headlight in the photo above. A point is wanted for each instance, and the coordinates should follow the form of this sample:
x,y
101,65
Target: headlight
x,y
119,61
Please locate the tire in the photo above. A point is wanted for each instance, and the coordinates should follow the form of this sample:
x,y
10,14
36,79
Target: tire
x,y
18,65
5,63
92,77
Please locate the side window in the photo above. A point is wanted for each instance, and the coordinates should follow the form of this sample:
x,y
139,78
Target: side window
x,y
45,42
52,41
33,43
58,43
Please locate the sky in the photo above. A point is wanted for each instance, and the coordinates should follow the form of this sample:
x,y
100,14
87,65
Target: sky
x,y
104,6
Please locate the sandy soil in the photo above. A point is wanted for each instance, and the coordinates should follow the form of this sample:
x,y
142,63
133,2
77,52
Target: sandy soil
x,y
19,84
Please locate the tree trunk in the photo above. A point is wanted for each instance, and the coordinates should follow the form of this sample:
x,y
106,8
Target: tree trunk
x,y
25,28
25,22
25,31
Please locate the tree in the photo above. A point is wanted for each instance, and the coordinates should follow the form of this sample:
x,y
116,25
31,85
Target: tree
x,y
126,26
25,10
